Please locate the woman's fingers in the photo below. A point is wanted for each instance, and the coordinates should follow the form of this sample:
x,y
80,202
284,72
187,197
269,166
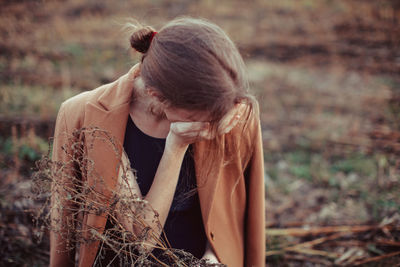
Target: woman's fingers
x,y
207,134
190,132
189,128
229,121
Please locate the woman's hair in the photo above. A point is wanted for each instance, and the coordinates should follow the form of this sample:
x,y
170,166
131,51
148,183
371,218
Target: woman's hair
x,y
194,65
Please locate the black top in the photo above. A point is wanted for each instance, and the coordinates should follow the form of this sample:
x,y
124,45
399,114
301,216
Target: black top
x,y
184,226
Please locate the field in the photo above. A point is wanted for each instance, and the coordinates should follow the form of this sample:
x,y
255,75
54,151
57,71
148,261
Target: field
x,y
327,77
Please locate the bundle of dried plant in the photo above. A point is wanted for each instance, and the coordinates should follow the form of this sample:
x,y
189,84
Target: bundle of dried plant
x,y
73,188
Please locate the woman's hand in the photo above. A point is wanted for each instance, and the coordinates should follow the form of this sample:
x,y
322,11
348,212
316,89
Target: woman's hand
x,y
182,134
229,121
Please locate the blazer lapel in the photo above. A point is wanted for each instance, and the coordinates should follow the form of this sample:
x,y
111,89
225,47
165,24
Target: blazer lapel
x,y
104,137
105,125
104,148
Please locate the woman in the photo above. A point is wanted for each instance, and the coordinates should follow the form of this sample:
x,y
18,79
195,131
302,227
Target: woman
x,y
188,124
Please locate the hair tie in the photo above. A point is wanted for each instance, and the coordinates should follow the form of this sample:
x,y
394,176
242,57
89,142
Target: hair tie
x,y
152,36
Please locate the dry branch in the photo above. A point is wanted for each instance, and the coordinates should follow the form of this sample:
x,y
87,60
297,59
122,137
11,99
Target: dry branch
x,y
377,258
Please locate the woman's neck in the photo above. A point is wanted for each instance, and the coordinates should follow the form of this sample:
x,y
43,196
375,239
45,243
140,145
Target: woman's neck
x,y
149,117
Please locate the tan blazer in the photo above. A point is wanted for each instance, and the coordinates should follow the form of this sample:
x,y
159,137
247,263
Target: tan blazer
x,y
231,197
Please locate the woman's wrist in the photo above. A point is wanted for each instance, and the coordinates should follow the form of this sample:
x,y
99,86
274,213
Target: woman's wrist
x,y
174,145
175,152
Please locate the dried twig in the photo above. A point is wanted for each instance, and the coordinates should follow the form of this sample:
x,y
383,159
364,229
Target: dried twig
x,y
321,240
377,258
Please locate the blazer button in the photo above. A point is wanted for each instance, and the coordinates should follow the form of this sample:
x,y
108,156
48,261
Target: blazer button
x,y
212,235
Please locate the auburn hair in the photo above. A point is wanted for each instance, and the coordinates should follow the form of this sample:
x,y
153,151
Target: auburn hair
x,y
193,64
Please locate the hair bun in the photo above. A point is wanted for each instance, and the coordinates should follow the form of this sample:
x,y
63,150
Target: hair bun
x,y
141,39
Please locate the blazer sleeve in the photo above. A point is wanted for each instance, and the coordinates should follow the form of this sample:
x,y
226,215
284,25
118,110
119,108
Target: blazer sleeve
x,y
62,252
255,221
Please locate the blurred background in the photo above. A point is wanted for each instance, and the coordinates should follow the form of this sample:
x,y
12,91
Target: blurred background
x,y
327,77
